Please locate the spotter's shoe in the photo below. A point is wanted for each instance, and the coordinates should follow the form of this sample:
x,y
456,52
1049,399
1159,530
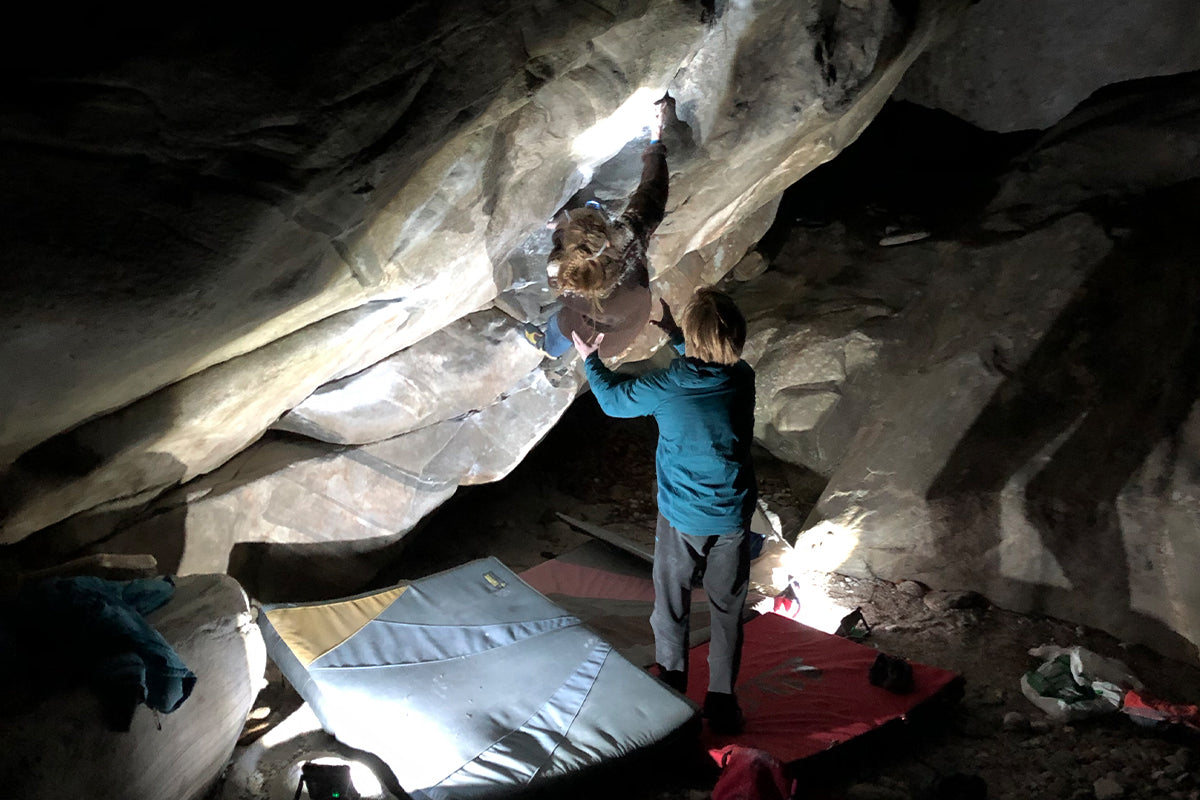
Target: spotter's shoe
x,y
723,713
675,678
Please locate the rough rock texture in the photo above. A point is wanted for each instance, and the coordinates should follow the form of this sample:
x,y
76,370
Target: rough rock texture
x,y
61,748
288,502
1012,65
1010,405
205,230
463,367
191,426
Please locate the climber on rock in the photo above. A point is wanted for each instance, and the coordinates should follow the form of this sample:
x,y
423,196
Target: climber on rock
x,y
704,406
598,265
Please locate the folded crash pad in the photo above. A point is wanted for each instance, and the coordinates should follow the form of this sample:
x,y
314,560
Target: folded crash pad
x,y
469,683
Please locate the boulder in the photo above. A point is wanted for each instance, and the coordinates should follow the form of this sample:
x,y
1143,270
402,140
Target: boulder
x,y
293,517
1021,428
463,367
192,426
198,246
61,747
1011,65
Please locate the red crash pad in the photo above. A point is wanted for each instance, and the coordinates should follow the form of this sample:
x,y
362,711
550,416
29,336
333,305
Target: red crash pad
x,y
804,691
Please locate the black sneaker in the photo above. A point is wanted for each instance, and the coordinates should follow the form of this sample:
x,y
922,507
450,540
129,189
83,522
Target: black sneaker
x,y
675,678
723,713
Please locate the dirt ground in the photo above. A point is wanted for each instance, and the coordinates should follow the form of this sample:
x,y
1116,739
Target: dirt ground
x,y
602,471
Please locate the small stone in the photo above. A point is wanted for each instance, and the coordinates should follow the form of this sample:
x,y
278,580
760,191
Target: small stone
x,y
1015,721
947,600
991,696
903,238
750,267
1062,760
1107,789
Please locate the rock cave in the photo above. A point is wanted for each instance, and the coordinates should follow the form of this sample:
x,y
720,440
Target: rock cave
x,y
266,278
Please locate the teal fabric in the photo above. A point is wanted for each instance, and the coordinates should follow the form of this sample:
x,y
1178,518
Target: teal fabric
x,y
705,416
99,627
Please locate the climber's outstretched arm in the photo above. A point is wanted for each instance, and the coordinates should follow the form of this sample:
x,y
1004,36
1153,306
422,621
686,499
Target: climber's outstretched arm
x,y
648,205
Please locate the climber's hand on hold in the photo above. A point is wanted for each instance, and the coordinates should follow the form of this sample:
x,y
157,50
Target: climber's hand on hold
x,y
585,349
667,324
664,115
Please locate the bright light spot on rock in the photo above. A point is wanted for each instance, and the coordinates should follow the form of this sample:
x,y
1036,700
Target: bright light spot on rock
x,y
364,780
606,138
812,605
361,776
825,547
801,581
804,569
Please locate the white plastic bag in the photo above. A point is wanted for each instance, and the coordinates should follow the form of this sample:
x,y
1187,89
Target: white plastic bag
x,y
1073,683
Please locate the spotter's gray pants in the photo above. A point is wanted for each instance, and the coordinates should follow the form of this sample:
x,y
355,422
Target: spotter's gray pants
x,y
724,563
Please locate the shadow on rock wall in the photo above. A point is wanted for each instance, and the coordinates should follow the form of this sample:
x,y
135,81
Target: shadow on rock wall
x,y
1114,378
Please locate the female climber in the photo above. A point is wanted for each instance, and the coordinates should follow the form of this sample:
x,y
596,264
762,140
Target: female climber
x,y
598,264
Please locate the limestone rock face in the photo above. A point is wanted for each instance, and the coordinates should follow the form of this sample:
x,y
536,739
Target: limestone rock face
x,y
63,749
1012,65
191,426
1007,405
208,223
285,505
461,368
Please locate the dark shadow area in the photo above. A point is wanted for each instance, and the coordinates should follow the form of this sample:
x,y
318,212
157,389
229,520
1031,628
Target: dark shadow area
x,y
913,167
1113,378
48,471
900,739
160,509
584,459
297,573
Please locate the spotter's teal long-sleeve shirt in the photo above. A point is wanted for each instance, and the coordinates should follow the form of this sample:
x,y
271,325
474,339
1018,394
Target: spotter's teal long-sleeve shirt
x,y
705,416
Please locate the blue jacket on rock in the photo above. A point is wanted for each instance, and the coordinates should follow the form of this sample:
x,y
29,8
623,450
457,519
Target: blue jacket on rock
x,y
705,416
